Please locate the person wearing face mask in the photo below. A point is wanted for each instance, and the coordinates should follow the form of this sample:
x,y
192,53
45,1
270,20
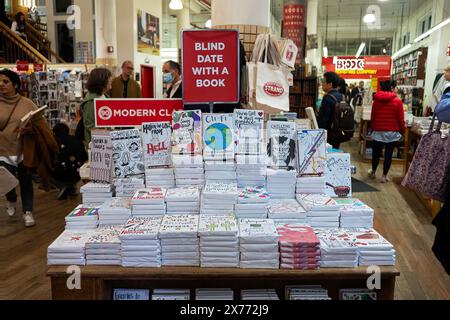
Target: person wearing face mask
x,y
172,78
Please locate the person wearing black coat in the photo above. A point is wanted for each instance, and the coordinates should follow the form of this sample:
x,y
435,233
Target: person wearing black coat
x,y
441,246
72,156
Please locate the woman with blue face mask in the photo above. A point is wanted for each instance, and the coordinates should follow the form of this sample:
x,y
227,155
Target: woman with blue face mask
x,y
172,79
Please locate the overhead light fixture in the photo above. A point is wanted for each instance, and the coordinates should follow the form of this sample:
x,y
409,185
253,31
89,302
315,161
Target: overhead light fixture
x,y
325,52
361,48
208,24
176,4
435,28
369,18
399,52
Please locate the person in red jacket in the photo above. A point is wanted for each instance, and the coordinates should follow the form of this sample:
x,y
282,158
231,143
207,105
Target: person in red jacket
x,y
388,126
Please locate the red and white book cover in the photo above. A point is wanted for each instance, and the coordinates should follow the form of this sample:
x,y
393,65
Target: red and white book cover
x,y
150,195
292,235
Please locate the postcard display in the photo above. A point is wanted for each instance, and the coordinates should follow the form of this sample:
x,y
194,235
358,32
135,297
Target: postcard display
x,y
62,91
274,200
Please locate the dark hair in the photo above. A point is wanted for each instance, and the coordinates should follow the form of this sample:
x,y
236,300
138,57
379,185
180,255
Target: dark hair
x,y
13,77
61,130
332,77
174,66
388,85
342,86
98,80
18,16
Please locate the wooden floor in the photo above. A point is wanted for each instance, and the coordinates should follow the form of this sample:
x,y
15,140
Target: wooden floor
x,y
400,217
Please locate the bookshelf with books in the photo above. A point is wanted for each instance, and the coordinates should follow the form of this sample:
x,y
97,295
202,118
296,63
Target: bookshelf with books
x,y
304,92
409,70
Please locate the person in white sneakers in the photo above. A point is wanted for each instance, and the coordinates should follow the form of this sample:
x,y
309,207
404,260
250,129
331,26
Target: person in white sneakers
x,y
13,107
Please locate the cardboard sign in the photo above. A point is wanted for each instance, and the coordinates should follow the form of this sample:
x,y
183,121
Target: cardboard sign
x,y
210,66
110,113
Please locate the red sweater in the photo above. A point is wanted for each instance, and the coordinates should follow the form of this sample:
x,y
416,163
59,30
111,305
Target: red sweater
x,y
387,113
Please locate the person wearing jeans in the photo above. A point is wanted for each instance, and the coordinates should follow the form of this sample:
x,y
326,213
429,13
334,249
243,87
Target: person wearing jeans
x,y
388,125
13,108
26,189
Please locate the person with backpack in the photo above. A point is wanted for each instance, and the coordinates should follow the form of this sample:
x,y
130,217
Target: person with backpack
x,y
335,114
388,126
99,82
332,96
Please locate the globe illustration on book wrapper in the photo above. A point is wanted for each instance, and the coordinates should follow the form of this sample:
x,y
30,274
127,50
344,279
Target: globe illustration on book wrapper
x,y
218,137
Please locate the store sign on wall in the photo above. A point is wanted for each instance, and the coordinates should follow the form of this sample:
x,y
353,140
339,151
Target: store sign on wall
x,y
359,68
22,66
294,24
111,113
210,66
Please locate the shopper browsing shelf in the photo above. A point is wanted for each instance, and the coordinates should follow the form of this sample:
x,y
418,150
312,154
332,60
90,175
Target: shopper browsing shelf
x,y
172,78
330,83
124,86
98,84
388,125
13,108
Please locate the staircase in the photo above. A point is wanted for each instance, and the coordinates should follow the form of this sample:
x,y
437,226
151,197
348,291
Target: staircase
x,y
37,38
14,48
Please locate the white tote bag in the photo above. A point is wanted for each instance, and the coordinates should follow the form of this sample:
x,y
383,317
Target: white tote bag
x,y
272,85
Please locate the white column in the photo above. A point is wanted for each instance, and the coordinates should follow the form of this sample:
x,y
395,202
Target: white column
x,y
105,31
314,55
240,12
183,20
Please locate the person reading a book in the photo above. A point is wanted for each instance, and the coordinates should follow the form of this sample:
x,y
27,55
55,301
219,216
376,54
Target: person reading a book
x,y
13,108
98,84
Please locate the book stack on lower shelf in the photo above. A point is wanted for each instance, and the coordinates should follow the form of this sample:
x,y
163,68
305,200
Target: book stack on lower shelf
x,y
140,245
219,242
258,244
208,294
259,294
179,240
171,294
306,292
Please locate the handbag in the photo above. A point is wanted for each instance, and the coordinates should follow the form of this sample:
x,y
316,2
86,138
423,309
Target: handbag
x,y
430,169
272,85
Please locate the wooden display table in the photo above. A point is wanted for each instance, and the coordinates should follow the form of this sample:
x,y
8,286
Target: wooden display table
x,y
364,140
98,282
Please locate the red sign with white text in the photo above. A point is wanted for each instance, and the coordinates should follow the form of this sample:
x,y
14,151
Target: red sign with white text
x,y
23,66
133,112
359,68
38,67
210,66
294,25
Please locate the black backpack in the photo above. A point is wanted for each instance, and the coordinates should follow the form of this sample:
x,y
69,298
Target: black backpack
x,y
343,125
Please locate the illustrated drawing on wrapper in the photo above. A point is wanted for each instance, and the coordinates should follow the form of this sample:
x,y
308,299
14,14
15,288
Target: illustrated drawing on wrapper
x,y
187,132
248,130
218,136
281,144
156,138
127,153
101,157
312,152
338,175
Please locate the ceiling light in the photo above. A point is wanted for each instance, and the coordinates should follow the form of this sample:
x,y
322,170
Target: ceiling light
x,y
325,52
369,18
399,52
208,24
176,5
360,50
435,28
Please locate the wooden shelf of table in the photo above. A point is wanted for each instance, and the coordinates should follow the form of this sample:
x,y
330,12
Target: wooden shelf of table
x,y
363,139
98,282
433,206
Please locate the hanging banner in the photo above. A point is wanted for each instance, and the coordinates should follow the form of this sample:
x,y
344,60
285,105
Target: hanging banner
x,y
359,68
294,25
22,66
110,113
210,66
